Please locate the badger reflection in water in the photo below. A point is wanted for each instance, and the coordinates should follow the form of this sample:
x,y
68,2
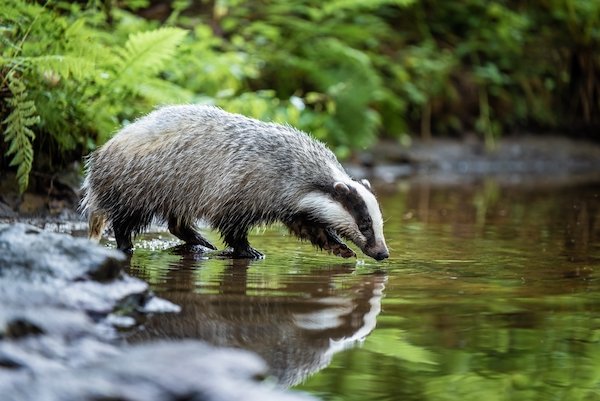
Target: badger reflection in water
x,y
297,334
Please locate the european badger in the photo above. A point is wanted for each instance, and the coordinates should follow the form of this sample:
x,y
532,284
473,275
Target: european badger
x,y
184,163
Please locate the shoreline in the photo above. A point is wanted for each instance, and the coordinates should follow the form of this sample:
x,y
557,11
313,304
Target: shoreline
x,y
529,160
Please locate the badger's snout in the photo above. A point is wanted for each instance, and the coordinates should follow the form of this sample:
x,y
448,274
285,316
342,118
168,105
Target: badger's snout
x,y
381,255
378,253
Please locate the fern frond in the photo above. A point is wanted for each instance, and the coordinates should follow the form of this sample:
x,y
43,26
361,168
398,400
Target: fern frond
x,y
336,6
146,53
158,91
66,66
18,132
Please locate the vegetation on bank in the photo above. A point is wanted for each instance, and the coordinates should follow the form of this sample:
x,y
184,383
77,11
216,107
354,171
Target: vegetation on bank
x,y
347,71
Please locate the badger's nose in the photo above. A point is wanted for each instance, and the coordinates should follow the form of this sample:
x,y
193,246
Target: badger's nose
x,y
382,255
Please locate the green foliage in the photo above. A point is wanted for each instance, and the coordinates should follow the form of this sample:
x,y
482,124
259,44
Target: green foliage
x,y
325,51
75,81
132,73
18,132
515,65
347,71
146,53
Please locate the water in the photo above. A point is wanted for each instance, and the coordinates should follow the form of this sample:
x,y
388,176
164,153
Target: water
x,y
492,292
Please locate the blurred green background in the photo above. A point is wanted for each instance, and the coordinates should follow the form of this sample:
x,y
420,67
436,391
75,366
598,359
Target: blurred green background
x,y
348,71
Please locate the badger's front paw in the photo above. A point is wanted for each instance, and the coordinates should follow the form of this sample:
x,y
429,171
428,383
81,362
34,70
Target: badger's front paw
x,y
334,244
341,249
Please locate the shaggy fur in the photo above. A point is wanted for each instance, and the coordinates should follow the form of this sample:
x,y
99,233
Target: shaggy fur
x,y
184,163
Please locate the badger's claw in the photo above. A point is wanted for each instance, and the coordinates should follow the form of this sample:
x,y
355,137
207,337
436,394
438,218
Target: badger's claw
x,y
189,234
334,244
341,249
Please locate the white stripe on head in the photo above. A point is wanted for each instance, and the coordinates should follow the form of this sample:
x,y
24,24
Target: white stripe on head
x,y
372,208
370,201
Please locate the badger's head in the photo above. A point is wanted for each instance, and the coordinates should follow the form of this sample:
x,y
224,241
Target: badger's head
x,y
350,209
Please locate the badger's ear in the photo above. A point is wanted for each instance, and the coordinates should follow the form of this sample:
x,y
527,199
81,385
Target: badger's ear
x,y
341,188
366,183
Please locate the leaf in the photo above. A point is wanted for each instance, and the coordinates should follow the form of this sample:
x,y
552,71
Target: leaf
x,y
160,91
336,6
17,132
146,53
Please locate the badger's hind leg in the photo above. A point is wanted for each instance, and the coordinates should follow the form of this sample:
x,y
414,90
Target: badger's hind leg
x,y
239,247
123,238
187,233
125,224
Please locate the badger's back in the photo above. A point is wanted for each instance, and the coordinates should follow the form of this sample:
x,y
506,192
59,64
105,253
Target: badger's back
x,y
191,162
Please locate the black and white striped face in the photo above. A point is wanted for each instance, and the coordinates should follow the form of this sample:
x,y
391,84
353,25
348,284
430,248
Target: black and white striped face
x,y
350,208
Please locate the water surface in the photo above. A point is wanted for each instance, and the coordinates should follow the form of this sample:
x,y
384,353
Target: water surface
x,y
492,292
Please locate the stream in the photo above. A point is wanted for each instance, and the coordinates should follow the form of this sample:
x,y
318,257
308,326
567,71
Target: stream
x,y
491,292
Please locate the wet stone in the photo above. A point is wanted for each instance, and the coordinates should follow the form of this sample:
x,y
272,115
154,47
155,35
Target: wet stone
x,y
18,321
61,302
44,268
32,253
161,371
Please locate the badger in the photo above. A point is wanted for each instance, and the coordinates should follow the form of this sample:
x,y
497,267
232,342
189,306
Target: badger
x,y
188,163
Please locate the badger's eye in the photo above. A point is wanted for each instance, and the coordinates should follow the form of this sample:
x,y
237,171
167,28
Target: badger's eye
x,y
364,225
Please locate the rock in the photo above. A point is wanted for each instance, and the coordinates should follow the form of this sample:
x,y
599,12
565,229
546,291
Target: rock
x,y
59,270
17,322
57,285
60,301
32,252
6,211
163,371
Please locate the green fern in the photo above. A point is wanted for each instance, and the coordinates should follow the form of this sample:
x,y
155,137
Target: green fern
x,y
146,53
66,66
17,132
133,86
157,91
337,6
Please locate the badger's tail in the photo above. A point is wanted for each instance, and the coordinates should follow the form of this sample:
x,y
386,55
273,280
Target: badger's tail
x,y
96,223
96,218
87,207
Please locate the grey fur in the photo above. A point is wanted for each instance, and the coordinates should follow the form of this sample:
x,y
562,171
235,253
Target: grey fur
x,y
184,163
